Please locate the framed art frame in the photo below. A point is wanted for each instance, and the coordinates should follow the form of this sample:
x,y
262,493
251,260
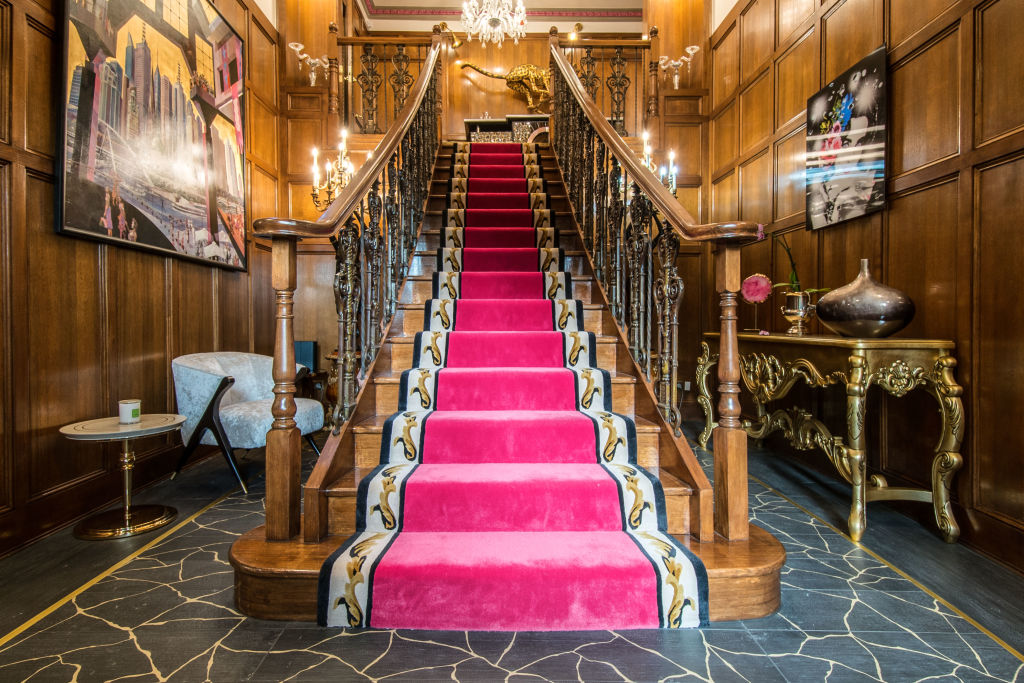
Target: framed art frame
x,y
152,143
846,144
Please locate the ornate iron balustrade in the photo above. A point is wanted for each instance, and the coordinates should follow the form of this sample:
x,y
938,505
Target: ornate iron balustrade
x,y
373,225
615,75
632,227
371,79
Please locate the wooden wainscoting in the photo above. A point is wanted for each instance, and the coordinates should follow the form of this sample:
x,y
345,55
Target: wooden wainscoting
x,y
83,324
956,157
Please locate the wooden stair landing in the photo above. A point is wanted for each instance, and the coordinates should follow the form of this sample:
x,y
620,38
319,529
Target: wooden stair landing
x,y
278,579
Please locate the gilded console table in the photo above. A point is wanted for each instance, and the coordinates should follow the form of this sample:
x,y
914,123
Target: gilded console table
x,y
772,364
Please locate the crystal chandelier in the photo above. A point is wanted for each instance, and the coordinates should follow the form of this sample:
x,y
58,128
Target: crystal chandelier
x,y
494,20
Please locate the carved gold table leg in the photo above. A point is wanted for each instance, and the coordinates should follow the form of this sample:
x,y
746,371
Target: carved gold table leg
x,y
947,459
856,408
705,362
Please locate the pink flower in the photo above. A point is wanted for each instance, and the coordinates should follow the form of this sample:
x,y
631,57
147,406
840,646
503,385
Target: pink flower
x,y
755,288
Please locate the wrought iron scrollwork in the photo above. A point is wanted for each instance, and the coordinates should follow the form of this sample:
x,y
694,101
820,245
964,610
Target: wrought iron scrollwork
x,y
369,80
400,79
618,85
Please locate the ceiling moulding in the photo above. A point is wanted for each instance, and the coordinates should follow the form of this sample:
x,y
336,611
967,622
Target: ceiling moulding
x,y
599,16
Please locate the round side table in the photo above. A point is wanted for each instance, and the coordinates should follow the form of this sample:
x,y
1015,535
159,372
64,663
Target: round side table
x,y
130,520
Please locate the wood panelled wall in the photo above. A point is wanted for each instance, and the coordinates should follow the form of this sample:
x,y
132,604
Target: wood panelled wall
x,y
948,234
85,324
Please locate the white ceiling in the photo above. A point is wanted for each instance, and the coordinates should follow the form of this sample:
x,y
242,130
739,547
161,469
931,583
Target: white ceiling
x,y
598,16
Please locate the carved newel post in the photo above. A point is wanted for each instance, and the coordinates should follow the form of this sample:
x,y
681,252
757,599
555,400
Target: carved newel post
x,y
730,440
283,440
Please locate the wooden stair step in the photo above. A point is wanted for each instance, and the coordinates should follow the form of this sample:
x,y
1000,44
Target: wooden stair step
x,y
342,494
278,579
418,288
402,351
367,436
424,262
409,319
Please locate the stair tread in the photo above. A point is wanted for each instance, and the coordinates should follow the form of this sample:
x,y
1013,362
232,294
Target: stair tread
x,y
419,307
396,377
375,425
347,483
428,277
411,339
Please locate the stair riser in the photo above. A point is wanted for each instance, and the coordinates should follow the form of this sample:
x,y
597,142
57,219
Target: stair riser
x,y
426,264
439,201
367,447
410,321
341,511
622,397
430,239
418,291
401,356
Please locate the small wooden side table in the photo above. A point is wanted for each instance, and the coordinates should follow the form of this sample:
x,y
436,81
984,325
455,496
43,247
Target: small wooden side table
x,y
771,364
130,520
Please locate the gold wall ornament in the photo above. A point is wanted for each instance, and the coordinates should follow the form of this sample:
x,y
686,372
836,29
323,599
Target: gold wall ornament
x,y
527,80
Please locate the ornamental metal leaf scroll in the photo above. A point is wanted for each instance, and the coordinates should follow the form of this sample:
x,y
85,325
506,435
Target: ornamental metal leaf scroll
x,y
400,79
587,72
618,85
369,80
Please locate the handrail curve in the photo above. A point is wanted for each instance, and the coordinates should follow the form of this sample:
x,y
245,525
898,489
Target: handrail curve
x,y
733,232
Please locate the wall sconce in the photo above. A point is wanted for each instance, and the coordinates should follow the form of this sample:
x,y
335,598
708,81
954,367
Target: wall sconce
x,y
665,63
576,30
338,173
456,43
315,65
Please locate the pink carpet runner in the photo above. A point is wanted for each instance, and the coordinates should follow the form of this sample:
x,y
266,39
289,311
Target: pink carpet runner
x,y
508,495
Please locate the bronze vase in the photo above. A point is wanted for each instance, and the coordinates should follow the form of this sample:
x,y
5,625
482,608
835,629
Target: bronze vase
x,y
865,307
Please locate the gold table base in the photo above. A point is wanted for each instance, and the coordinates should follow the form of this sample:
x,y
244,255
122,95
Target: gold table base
x,y
121,523
771,365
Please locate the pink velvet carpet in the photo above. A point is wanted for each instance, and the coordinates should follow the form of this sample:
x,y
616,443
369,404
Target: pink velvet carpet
x,y
508,495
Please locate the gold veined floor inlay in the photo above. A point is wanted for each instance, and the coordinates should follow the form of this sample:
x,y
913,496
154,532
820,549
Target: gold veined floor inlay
x,y
905,575
110,570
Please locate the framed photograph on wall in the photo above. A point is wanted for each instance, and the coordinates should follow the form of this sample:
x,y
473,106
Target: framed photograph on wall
x,y
152,144
846,141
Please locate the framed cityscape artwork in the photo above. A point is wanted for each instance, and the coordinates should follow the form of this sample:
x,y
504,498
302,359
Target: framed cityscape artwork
x,y
846,144
153,134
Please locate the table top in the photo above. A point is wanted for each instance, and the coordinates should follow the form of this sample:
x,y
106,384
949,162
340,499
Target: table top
x,y
111,429
835,341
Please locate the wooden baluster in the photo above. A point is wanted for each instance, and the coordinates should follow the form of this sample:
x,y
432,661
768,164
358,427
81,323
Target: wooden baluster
x,y
283,443
730,440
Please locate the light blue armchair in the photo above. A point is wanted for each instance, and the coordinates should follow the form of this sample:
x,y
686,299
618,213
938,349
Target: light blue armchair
x,y
226,398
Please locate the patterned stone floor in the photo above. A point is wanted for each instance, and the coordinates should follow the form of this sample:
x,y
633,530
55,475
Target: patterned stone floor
x,y
167,615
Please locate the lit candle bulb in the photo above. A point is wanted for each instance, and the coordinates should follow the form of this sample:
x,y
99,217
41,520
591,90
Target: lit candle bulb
x,y
316,174
344,139
646,137
661,173
671,157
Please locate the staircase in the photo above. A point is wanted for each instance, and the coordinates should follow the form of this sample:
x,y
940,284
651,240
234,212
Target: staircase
x,y
278,579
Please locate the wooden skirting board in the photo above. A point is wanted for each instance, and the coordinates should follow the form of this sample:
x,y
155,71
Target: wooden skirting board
x,y
278,579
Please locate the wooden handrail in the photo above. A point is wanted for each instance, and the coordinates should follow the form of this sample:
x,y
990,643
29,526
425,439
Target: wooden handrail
x,y
621,249
607,42
377,39
343,206
736,232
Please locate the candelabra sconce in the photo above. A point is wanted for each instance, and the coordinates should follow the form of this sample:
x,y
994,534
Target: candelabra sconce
x,y
338,171
316,65
648,161
666,63
668,173
577,29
